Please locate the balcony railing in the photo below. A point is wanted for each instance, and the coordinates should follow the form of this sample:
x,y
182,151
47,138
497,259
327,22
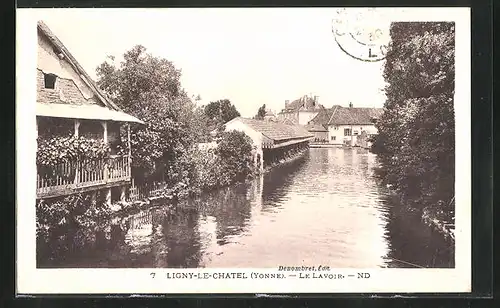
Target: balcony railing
x,y
67,177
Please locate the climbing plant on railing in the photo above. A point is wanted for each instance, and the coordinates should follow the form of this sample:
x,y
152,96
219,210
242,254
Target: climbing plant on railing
x,y
54,151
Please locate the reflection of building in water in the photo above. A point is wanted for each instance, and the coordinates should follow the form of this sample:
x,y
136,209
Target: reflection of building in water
x,y
258,194
139,234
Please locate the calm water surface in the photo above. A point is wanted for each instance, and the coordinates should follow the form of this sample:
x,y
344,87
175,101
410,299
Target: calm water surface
x,y
326,208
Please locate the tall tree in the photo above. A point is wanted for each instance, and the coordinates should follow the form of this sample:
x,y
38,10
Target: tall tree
x,y
220,112
149,88
261,113
416,140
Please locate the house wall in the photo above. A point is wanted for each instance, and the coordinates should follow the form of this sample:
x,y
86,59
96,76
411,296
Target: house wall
x,y
69,87
320,136
305,116
241,127
257,139
336,133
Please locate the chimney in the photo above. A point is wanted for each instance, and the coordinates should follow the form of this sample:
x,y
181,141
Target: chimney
x,y
286,103
350,105
316,99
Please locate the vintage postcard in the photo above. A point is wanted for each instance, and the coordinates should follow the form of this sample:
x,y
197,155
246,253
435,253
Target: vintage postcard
x,y
249,150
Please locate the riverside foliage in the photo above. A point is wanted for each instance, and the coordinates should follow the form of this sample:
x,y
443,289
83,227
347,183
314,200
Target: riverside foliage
x,y
165,149
150,89
416,139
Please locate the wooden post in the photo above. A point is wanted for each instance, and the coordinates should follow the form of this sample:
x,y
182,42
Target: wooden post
x,y
105,127
108,196
77,126
77,163
129,160
93,197
123,193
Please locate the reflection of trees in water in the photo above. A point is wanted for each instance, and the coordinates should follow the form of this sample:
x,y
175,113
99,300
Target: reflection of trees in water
x,y
411,242
231,209
181,239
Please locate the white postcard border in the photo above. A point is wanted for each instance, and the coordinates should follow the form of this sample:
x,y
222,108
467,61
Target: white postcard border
x,y
31,280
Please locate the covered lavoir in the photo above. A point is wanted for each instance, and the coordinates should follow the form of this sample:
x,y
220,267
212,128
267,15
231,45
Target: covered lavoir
x,y
274,142
74,116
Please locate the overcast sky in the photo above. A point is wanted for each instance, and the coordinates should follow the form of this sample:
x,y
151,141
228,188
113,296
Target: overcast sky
x,y
250,56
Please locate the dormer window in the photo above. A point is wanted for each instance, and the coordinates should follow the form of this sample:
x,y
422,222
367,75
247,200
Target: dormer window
x,y
49,81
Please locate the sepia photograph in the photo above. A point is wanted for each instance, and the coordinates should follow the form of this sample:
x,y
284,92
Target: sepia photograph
x,y
276,144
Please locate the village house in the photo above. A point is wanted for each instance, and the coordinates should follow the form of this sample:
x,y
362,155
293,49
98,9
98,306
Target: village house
x,y
273,141
351,125
70,104
300,111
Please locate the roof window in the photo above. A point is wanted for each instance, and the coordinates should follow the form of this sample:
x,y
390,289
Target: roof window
x,y
49,81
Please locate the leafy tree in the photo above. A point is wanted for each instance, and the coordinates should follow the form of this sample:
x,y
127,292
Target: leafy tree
x,y
416,140
149,88
261,113
234,150
220,112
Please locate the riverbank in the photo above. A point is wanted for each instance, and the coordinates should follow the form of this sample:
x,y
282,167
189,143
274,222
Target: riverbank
x,y
324,145
438,216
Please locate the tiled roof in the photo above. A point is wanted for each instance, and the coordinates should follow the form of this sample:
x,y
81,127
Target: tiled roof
x,y
355,116
316,128
322,117
289,121
338,115
276,131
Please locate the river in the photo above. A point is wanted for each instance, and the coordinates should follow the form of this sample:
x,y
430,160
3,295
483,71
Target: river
x,y
326,208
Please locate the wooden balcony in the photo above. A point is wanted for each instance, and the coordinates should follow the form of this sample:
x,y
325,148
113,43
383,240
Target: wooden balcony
x,y
75,177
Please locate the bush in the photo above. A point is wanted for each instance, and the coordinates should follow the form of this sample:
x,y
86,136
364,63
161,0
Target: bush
x,y
235,152
53,151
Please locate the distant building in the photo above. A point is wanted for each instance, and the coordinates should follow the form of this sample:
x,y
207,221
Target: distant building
x,y
347,125
270,116
273,141
301,111
319,131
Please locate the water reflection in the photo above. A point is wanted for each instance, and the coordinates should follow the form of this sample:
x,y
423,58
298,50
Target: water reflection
x,y
326,208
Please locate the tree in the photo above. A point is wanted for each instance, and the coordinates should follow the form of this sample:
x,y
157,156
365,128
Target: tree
x,y
220,112
149,88
416,140
261,113
234,151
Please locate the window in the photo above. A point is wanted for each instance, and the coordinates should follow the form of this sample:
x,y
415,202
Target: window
x,y
336,127
347,132
333,138
49,81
